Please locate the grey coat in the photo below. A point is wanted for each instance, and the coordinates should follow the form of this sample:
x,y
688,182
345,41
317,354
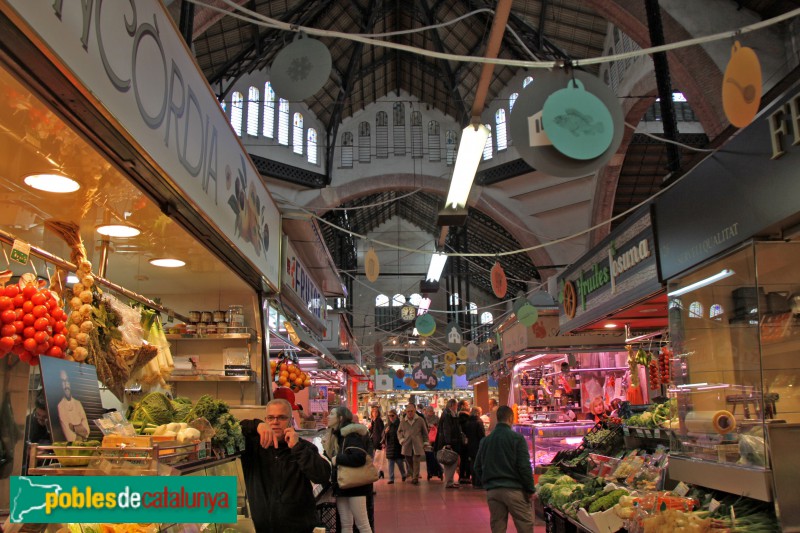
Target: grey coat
x,y
413,435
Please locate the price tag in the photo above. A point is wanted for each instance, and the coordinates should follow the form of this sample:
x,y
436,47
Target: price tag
x,y
640,433
202,453
713,505
682,490
626,431
656,434
20,252
229,449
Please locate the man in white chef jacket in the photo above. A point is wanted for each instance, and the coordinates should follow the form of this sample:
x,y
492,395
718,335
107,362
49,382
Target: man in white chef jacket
x,y
73,419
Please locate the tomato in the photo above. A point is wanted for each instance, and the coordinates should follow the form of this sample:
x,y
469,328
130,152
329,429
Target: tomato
x,y
52,305
25,356
8,316
55,351
41,323
60,326
17,339
38,299
41,337
39,311
34,361
19,325
19,313
6,303
42,348
30,344
6,344
28,319
29,332
7,330
59,340
11,290
29,291
27,306
58,314
18,300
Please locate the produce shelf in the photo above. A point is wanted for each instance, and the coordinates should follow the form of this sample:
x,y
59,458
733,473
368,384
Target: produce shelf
x,y
213,337
212,377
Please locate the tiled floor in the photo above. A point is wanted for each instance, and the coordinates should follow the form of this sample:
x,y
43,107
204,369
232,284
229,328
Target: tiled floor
x,y
429,507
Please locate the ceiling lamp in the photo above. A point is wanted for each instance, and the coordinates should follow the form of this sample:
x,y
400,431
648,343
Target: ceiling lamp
x,y
436,267
470,150
118,230
167,262
51,182
724,273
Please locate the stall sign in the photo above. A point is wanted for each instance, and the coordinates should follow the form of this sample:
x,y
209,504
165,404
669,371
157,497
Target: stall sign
x,y
747,189
383,382
444,383
296,278
135,64
619,271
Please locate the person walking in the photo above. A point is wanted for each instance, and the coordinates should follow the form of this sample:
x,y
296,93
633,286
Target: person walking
x,y
432,466
493,405
504,468
376,433
474,431
413,436
348,444
393,449
464,472
449,435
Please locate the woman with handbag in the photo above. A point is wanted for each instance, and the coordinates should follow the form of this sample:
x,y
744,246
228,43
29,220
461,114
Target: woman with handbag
x,y
376,434
394,452
349,447
449,440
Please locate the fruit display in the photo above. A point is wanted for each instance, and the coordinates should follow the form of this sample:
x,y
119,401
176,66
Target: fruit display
x,y
80,323
33,323
287,374
664,361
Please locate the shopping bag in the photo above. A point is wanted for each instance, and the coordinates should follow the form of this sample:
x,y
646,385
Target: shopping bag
x,y
348,477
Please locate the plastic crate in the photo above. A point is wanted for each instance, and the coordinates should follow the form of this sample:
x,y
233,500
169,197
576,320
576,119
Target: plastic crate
x,y
328,516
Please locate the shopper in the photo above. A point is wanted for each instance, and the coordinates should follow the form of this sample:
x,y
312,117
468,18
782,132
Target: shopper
x,y
376,427
394,452
348,444
431,464
493,405
475,433
413,436
504,468
279,468
449,434
464,473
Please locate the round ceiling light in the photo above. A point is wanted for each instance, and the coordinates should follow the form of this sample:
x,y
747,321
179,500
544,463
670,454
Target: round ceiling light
x,y
610,325
51,182
167,263
118,230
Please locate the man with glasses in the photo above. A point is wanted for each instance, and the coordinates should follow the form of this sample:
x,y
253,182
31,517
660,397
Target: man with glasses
x,y
279,469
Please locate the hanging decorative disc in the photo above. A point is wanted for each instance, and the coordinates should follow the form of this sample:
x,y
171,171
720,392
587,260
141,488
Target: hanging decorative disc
x,y
473,352
577,122
300,69
527,315
431,382
519,301
377,349
450,358
417,374
426,363
407,380
461,370
499,281
453,336
462,353
400,373
425,325
372,267
741,86
448,370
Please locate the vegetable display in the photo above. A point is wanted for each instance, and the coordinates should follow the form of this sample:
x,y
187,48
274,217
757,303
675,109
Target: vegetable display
x,y
287,374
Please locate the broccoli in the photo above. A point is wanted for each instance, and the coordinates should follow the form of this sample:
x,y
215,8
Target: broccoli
x,y
209,408
607,501
228,433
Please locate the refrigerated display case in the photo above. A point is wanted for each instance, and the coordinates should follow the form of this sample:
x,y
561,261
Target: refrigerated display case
x,y
546,440
735,327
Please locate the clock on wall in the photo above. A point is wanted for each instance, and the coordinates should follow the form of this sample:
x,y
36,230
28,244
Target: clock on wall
x,y
408,313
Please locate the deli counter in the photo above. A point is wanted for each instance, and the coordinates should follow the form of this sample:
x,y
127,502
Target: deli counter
x,y
546,439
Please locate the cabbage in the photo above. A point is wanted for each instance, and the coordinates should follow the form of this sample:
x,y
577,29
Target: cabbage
x,y
155,409
565,480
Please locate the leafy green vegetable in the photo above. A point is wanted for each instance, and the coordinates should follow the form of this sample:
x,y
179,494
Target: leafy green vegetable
x,y
607,501
155,409
209,408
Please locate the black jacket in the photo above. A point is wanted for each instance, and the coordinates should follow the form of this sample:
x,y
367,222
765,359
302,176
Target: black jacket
x,y
354,445
474,431
376,433
393,448
449,432
279,483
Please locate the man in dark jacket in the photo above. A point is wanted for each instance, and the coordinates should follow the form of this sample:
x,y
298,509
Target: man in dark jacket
x,y
464,470
279,468
475,433
503,466
450,434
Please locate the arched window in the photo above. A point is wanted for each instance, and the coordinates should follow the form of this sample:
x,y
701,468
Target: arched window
x,y
268,127
715,311
347,150
398,300
415,299
451,140
527,81
487,148
512,100
434,142
283,121
500,123
237,105
695,310
381,300
363,142
382,135
252,111
312,146
399,126
454,300
486,318
416,134
297,134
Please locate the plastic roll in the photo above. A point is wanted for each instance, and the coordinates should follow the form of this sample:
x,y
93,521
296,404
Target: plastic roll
x,y
721,422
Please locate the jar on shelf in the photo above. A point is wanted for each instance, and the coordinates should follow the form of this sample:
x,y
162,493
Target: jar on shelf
x,y
191,329
222,327
211,328
235,316
194,316
206,317
219,316
201,329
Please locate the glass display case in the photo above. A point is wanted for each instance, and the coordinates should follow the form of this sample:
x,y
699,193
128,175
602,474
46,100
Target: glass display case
x,y
546,440
735,328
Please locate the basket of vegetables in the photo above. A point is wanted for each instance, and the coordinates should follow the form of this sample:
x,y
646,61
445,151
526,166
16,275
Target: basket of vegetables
x,y
75,453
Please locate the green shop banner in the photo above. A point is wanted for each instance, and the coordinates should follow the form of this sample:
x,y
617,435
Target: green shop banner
x,y
113,499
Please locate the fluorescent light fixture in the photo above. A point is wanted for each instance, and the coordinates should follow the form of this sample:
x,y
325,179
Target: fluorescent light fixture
x,y
726,273
610,326
118,230
437,266
470,151
72,278
51,182
167,262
